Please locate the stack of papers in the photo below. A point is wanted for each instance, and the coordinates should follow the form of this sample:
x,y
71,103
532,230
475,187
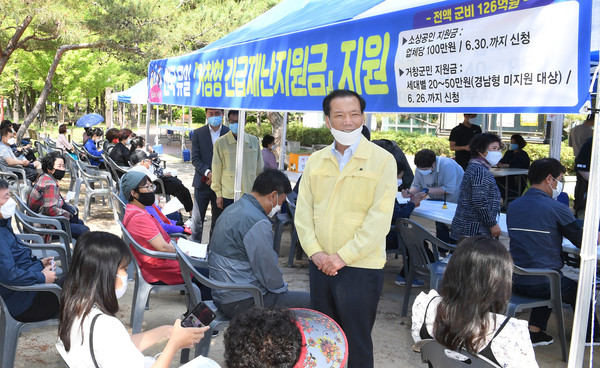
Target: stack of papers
x,y
192,249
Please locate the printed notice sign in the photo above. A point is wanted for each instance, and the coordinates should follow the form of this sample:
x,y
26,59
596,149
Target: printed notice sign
x,y
512,59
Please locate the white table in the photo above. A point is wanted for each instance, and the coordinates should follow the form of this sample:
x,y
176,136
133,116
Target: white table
x,y
505,172
433,210
180,129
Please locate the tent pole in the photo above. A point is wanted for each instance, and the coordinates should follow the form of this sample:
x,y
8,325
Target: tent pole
x,y
239,156
157,129
556,135
139,116
588,254
148,117
283,140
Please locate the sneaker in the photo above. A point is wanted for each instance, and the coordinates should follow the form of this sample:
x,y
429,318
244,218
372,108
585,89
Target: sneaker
x,y
540,338
400,280
215,333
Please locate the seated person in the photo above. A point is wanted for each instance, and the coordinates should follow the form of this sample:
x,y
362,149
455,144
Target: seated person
x,y
62,142
23,149
283,338
18,267
475,292
514,158
138,191
7,156
537,223
44,198
173,186
96,280
95,135
111,139
241,248
120,154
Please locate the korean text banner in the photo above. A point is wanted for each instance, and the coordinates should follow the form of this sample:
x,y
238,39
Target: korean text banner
x,y
511,56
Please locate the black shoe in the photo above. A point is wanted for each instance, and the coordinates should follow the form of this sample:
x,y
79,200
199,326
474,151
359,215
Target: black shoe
x,y
215,333
540,338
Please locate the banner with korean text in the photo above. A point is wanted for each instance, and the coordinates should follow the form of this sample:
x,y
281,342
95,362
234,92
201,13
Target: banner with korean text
x,y
502,56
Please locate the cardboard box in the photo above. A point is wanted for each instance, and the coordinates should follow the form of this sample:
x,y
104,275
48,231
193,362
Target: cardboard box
x,y
297,162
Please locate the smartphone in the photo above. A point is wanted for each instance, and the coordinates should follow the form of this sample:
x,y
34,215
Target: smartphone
x,y
425,190
200,316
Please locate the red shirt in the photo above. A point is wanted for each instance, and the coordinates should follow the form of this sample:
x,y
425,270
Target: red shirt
x,y
143,227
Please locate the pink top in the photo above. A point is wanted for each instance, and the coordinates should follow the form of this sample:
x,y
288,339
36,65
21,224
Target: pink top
x,y
63,143
143,228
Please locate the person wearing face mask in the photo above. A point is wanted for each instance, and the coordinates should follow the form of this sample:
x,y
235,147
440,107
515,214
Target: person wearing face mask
x,y
120,154
241,248
268,154
138,191
94,136
45,198
224,160
514,158
203,141
7,156
19,267
478,205
90,334
537,223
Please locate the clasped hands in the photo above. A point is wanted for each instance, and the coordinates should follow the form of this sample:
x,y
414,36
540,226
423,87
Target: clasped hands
x,y
329,264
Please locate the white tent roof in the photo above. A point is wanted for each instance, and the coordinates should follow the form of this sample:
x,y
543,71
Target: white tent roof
x,y
137,94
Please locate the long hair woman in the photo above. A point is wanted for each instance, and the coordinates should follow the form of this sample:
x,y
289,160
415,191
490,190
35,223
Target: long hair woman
x,y
467,315
89,333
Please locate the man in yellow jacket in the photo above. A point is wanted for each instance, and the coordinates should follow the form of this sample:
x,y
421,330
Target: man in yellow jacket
x,y
223,163
344,210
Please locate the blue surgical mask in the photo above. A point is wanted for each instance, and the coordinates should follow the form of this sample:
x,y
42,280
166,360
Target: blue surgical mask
x,y
234,128
215,121
514,146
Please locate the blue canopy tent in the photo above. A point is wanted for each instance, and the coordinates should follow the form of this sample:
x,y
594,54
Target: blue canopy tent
x,y
401,56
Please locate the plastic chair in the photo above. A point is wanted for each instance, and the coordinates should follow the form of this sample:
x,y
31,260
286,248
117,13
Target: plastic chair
x,y
76,181
520,302
14,184
92,178
115,170
118,207
188,270
142,288
11,329
436,355
19,171
415,238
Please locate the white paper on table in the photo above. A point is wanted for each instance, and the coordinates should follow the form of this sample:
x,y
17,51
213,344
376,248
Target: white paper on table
x,y
171,206
172,172
192,249
70,196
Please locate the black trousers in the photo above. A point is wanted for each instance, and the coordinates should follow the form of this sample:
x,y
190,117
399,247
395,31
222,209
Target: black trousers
x,y
174,186
351,299
202,199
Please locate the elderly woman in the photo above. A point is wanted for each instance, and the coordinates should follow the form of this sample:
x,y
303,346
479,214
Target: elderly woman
x,y
120,153
268,155
479,197
61,141
468,314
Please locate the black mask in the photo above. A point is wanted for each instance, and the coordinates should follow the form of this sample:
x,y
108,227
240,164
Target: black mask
x,y
58,174
147,199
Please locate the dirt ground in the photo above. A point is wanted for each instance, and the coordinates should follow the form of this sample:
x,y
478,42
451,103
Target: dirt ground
x,y
391,334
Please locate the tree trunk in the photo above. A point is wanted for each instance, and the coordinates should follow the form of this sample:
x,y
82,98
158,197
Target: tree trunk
x,y
97,104
87,105
14,43
276,119
16,107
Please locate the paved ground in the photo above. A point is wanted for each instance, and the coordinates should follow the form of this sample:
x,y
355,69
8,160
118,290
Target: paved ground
x,y
391,333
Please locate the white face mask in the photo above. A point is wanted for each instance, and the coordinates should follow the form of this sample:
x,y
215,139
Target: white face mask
x,y
425,172
399,182
120,292
275,208
558,190
274,147
8,209
11,141
346,139
493,157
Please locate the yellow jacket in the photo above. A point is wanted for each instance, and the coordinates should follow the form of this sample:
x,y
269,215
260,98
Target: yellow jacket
x,y
223,164
348,212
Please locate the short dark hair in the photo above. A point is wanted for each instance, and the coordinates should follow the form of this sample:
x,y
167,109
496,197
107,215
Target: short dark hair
x,y
111,134
539,169
342,93
518,138
232,112
5,123
91,279
5,128
480,142
267,139
262,337
95,132
62,129
3,184
124,134
424,158
477,281
271,180
49,160
210,108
